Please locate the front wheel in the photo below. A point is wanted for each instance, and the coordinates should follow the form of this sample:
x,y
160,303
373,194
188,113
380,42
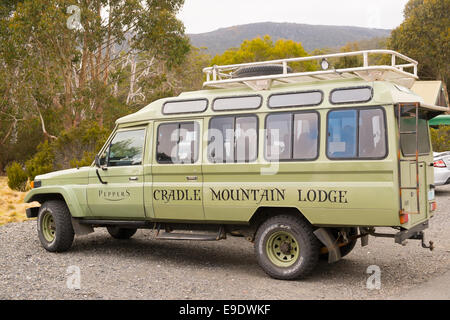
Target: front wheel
x,y
55,229
286,247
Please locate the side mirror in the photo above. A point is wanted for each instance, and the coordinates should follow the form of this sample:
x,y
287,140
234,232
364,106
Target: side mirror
x,y
97,161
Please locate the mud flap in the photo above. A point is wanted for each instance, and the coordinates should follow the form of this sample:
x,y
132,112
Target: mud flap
x,y
334,253
81,229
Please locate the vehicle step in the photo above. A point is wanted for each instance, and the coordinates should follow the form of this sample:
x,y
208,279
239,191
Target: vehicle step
x,y
188,236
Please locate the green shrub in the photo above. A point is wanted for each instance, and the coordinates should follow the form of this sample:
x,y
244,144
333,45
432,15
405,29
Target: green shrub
x,y
440,138
42,162
17,177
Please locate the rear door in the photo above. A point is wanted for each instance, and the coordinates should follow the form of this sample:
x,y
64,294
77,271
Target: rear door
x,y
415,179
177,171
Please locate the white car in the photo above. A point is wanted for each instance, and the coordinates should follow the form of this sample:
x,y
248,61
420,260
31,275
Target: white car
x,y
441,168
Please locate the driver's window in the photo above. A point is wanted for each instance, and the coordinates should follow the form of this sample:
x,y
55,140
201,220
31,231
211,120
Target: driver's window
x,y
126,149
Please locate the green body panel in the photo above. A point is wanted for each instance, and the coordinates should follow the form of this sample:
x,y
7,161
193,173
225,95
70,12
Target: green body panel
x,y
327,192
74,196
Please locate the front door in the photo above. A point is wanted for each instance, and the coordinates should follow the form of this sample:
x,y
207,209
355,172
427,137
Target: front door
x,y
177,171
123,194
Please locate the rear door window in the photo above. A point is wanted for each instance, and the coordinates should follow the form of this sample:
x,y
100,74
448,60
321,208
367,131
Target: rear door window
x,y
408,137
178,143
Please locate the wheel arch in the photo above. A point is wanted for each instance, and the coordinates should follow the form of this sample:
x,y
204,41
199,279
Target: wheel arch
x,y
265,212
43,194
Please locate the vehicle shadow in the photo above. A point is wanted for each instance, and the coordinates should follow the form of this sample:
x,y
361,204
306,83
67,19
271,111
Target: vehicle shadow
x,y
234,255
224,253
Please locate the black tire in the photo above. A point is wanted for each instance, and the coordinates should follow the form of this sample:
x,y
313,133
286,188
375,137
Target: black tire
x,y
61,236
300,230
259,71
121,233
345,250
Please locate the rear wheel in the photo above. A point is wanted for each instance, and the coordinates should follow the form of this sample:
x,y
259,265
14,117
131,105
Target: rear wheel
x,y
55,229
286,247
121,233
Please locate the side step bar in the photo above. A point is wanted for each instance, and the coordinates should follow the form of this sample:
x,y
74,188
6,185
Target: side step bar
x,y
192,236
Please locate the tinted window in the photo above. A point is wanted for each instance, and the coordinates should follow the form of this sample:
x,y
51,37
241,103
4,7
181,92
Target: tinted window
x,y
177,143
185,106
233,139
292,136
351,95
237,103
356,134
295,99
126,148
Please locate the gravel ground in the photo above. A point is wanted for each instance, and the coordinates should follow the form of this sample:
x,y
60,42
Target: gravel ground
x,y
145,268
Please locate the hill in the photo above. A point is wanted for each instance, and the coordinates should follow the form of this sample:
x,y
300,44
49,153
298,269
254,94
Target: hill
x,y
311,36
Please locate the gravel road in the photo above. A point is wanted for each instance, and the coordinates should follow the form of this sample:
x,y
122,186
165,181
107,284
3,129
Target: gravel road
x,y
145,268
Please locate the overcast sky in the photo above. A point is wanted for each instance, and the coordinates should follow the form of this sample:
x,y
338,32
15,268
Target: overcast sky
x,y
208,15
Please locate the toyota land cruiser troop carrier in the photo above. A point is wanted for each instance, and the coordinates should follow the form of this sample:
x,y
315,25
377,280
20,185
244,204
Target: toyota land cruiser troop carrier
x,y
303,164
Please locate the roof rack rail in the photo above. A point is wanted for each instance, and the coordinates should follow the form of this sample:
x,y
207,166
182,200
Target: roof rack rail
x,y
225,76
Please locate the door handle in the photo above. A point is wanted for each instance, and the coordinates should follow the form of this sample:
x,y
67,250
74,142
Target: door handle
x,y
133,178
191,178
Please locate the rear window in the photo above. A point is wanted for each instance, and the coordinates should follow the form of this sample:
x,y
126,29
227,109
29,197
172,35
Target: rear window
x,y
408,136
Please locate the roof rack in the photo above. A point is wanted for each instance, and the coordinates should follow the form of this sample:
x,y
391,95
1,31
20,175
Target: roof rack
x,y
225,77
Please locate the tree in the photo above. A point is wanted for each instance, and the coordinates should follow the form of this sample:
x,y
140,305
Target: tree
x,y
424,36
60,76
264,49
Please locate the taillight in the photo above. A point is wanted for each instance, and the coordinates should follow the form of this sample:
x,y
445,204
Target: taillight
x,y
404,218
439,164
433,206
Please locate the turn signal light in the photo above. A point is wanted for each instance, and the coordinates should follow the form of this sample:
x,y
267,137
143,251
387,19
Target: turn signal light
x,y
439,164
32,184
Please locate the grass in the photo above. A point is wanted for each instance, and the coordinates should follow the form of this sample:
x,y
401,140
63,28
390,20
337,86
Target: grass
x,y
12,208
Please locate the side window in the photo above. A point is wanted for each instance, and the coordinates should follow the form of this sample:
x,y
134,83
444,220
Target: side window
x,y
372,142
306,133
279,136
177,143
292,136
233,139
342,128
356,134
126,148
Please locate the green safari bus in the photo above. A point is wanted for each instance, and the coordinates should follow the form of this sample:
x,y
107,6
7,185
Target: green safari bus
x,y
302,164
